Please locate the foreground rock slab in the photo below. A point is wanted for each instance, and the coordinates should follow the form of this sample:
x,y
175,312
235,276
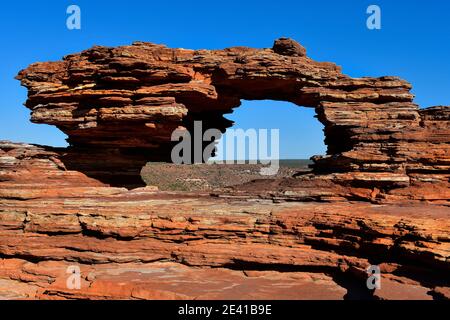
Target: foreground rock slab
x,y
163,280
145,243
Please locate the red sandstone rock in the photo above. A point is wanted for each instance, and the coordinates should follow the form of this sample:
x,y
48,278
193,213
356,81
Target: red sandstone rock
x,y
120,105
47,230
380,196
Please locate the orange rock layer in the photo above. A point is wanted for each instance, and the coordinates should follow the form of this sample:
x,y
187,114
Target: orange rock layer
x,y
120,105
379,197
146,244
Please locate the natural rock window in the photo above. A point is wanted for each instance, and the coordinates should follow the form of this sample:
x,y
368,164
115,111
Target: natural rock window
x,y
120,105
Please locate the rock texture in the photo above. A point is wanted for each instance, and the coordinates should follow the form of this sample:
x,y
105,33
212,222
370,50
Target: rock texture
x,y
380,196
146,244
120,105
128,242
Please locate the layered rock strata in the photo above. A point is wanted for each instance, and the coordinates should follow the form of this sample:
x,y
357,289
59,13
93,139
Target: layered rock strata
x,y
146,244
119,107
380,197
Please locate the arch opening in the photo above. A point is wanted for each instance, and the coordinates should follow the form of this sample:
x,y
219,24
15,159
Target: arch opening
x,y
301,135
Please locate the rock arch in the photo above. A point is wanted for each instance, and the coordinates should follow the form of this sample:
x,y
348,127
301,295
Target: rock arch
x,y
120,105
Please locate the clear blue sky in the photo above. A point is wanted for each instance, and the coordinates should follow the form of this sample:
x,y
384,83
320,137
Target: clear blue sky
x,y
414,43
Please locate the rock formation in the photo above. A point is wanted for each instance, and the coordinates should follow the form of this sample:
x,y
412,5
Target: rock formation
x,y
119,107
379,197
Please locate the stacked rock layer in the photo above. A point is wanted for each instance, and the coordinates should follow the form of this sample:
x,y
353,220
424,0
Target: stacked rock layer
x,y
380,197
146,244
119,107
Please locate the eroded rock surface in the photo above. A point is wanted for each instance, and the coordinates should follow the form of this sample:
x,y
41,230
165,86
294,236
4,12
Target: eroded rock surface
x,y
119,107
380,197
144,243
